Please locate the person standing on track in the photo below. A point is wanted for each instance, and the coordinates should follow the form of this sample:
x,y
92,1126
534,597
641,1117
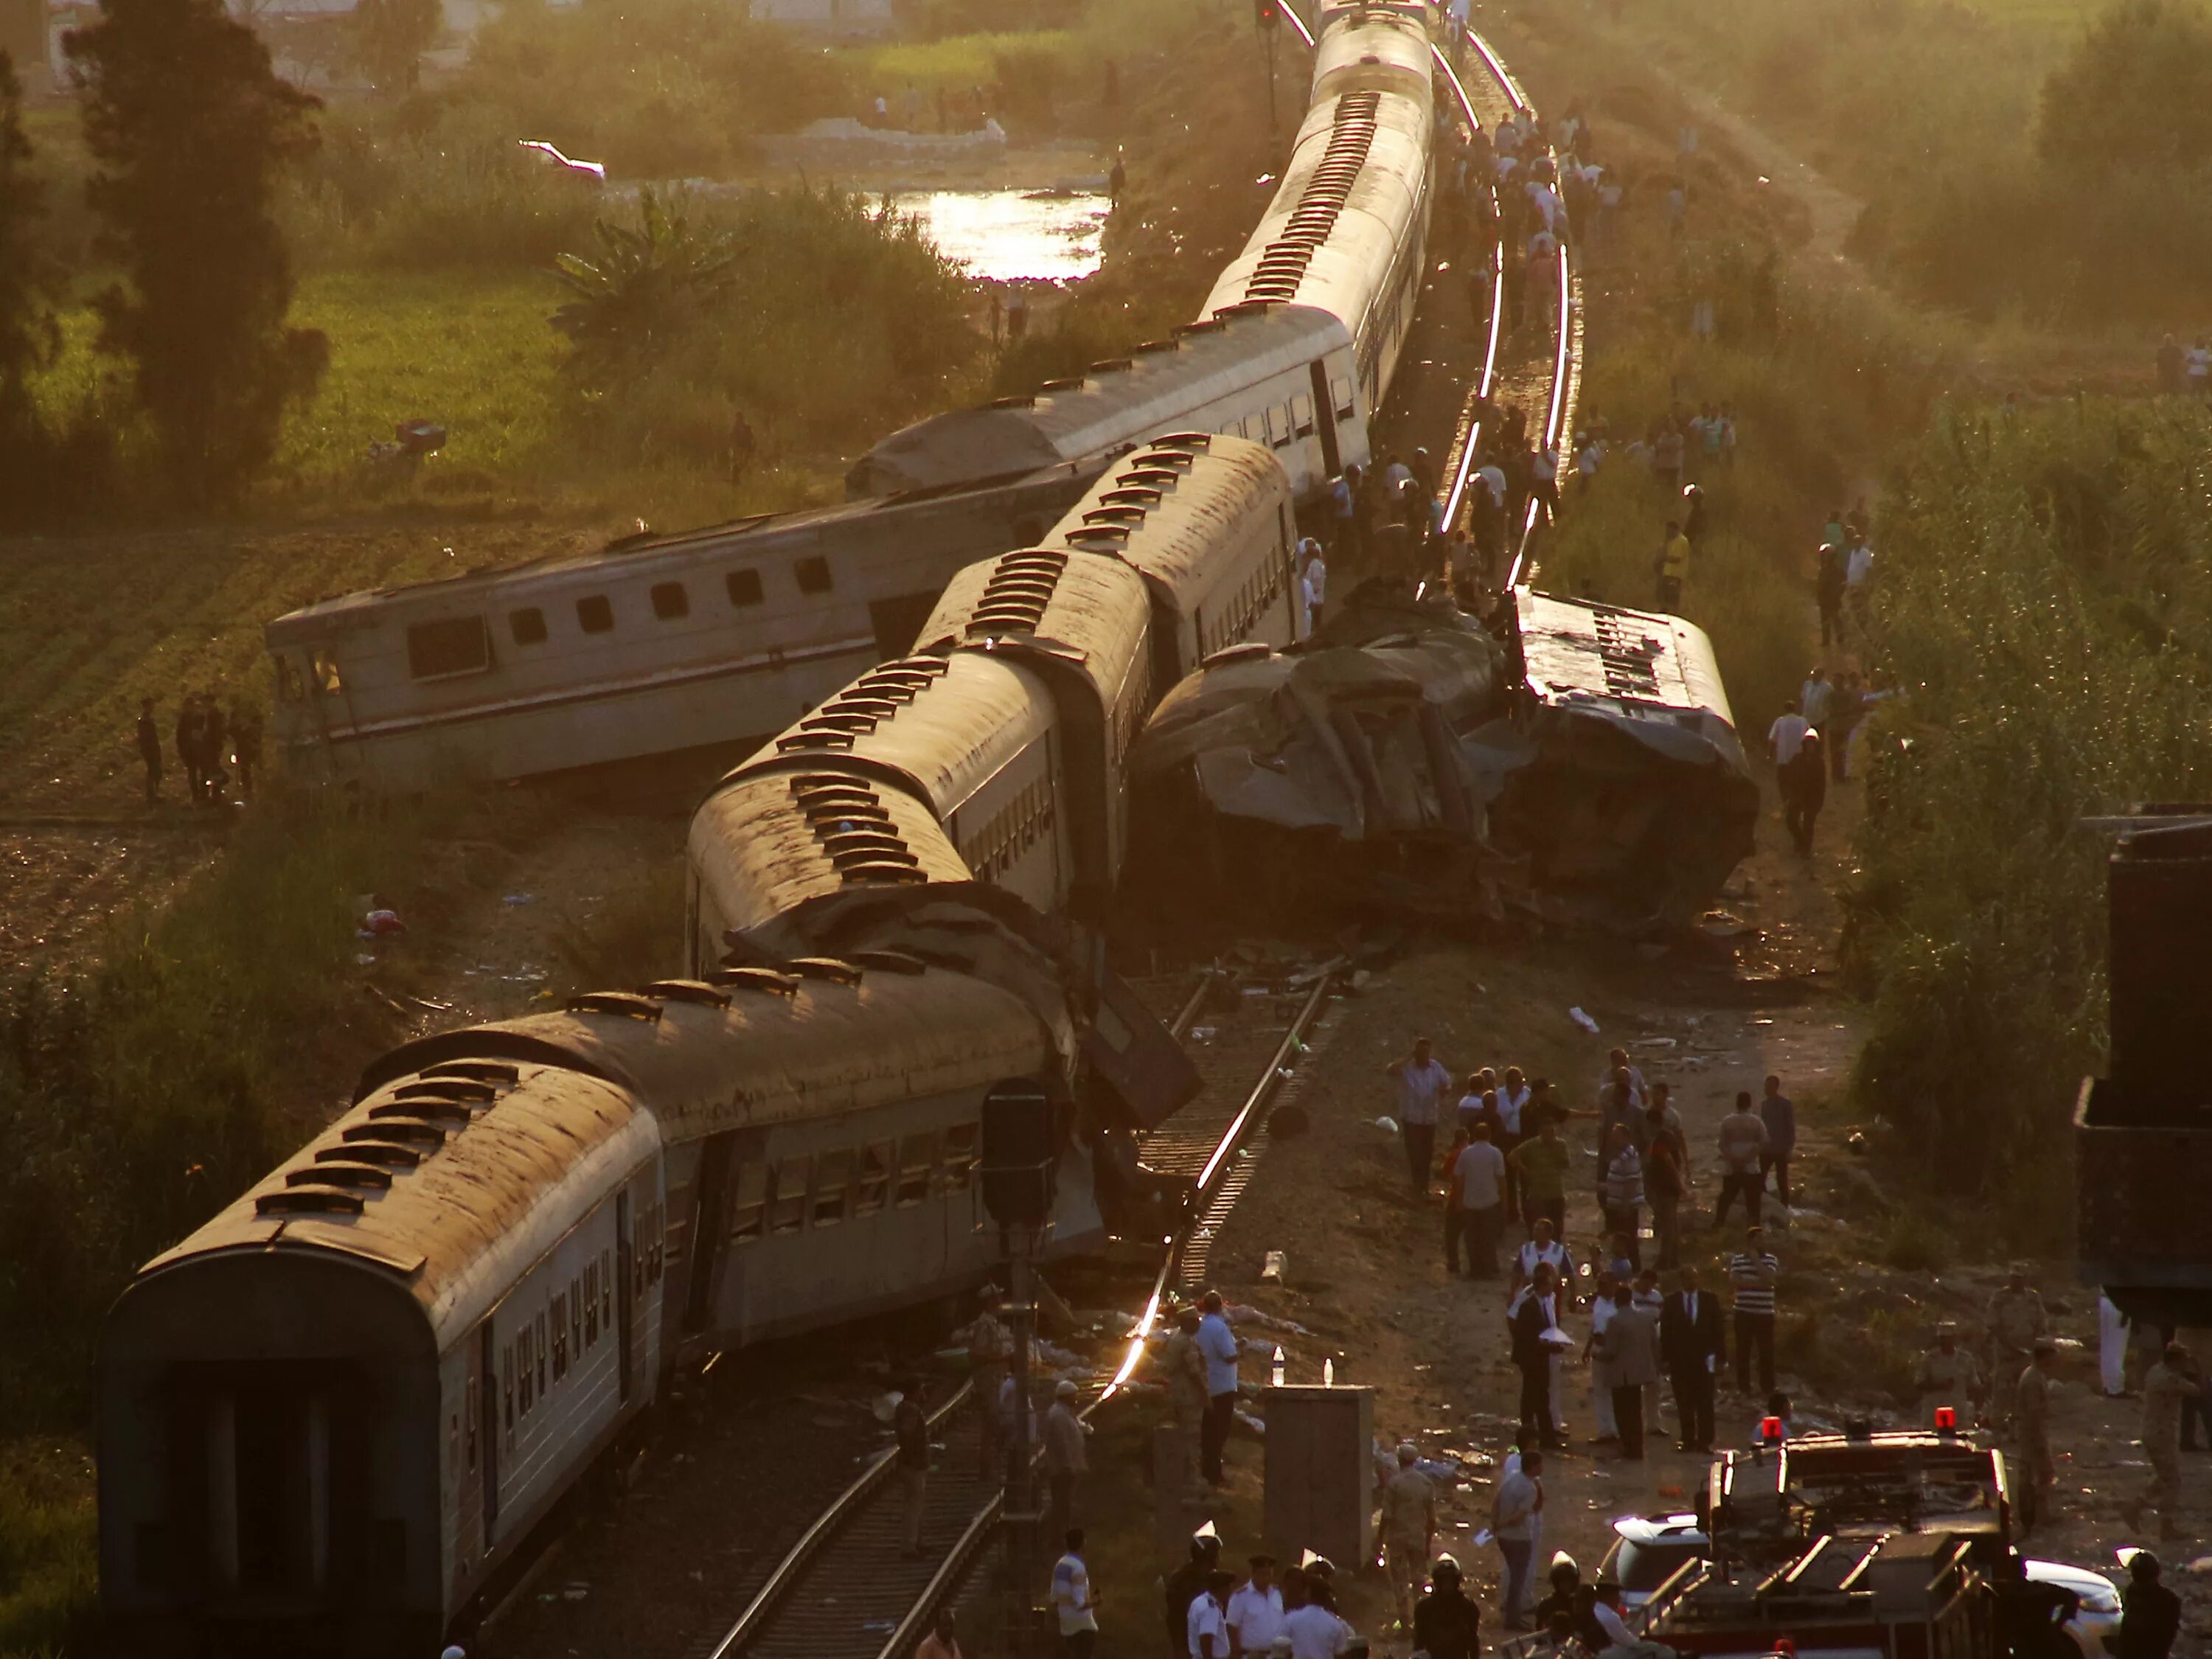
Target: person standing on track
x,y
1066,1457
1218,1344
911,1425
1423,1085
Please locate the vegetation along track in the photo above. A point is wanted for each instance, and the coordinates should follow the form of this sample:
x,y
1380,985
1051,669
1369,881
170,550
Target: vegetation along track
x,y
843,1591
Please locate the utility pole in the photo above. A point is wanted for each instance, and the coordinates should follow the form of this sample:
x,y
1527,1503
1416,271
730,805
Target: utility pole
x,y
1266,14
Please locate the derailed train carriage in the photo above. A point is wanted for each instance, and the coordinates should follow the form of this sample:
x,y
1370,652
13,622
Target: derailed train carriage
x,y
331,1417
1297,344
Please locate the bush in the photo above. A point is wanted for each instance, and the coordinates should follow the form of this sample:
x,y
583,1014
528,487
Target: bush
x,y
2044,606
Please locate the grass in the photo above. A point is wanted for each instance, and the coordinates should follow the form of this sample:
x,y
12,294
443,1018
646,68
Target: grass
x,y
49,1547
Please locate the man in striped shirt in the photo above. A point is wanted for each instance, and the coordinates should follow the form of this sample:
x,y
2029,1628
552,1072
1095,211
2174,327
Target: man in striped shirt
x,y
1751,1273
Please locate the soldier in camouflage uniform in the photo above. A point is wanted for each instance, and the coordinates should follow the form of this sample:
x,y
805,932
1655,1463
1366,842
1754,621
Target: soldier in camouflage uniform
x,y
1950,1376
2030,1425
2165,1386
2016,1319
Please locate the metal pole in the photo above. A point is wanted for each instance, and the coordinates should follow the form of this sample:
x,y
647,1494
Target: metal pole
x,y
1271,123
1019,1507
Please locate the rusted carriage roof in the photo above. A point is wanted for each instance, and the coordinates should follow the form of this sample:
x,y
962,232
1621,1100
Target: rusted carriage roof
x,y
1206,487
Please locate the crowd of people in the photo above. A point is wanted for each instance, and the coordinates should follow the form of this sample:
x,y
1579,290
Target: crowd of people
x,y
213,746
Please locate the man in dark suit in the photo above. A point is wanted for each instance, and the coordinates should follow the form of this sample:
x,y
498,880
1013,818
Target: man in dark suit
x,y
1535,1310
1690,1340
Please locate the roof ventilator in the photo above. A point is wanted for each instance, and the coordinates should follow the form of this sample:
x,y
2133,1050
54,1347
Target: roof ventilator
x,y
1282,264
765,981
830,968
855,832
308,1201
695,991
626,1004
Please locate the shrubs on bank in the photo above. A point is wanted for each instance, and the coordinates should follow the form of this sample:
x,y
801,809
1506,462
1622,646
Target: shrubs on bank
x,y
2044,609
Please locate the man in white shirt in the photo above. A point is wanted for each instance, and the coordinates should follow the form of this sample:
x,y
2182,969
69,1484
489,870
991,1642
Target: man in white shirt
x,y
1218,1344
1542,1248
1818,697
1860,566
1317,1633
1255,1611
1480,1174
1423,1086
1313,581
1071,1600
1787,736
1620,1642
1207,1622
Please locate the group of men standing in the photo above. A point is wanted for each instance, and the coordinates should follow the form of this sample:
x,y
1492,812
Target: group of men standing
x,y
205,738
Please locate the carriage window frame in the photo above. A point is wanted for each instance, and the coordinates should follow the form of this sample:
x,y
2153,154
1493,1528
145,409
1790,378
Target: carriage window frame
x,y
957,1155
671,602
918,1156
595,614
749,1202
831,1199
526,625
871,1189
448,647
743,586
788,1191
812,574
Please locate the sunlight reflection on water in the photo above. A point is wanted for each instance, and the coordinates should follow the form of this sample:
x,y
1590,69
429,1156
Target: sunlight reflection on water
x,y
1010,235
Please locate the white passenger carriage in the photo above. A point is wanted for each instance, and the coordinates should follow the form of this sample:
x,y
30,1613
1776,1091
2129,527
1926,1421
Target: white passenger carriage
x,y
716,639
331,1417
1297,344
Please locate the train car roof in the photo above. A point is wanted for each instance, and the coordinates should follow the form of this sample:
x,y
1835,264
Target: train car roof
x,y
1204,483
1058,598
635,557
1111,405
494,1136
1641,663
943,726
765,842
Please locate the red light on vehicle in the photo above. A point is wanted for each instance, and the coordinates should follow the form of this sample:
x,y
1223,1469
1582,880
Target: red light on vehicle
x,y
1947,1420
1769,1429
1785,1646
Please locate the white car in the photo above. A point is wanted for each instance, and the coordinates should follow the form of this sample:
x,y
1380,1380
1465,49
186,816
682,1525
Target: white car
x,y
1648,1549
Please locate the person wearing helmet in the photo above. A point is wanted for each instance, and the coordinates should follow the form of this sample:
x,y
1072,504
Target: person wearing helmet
x,y
1446,1624
456,1651
2150,1613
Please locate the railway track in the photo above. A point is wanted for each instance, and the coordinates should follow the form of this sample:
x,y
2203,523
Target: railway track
x,y
844,1590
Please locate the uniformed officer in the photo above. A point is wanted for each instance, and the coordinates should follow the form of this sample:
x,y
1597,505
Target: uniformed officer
x,y
1186,1371
1949,1376
2031,1419
2166,1385
2016,1319
1409,1530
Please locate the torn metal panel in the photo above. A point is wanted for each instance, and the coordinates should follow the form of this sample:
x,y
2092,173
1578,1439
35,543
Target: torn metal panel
x,y
1634,802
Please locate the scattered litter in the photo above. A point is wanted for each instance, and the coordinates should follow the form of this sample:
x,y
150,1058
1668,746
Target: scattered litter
x,y
364,959
1258,1428
1271,1268
377,923
878,1625
1257,991
1583,1020
1243,1313
2202,1563
1387,1124
519,898
1202,1033
431,1004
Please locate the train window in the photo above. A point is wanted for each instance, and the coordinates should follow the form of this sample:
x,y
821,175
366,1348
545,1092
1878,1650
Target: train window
x,y
560,1336
1301,416
328,680
786,1203
454,1439
506,1382
522,1393
875,1177
743,585
658,1254
669,601
451,645
606,1291
576,1317
917,1161
591,1303
540,1348
595,614
748,1205
527,625
959,1155
469,1423
1341,390
832,1179
1280,426
291,685
812,575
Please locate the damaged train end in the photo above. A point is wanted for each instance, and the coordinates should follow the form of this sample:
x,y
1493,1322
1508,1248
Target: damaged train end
x,y
1626,786
1337,772
2142,1136
1586,770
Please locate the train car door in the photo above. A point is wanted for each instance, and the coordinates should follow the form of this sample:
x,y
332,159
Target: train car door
x,y
1332,461
709,1231
483,1384
625,1291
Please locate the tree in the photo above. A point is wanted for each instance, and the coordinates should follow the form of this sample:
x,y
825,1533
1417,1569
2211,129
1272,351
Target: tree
x,y
391,36
28,333
189,126
2135,93
642,294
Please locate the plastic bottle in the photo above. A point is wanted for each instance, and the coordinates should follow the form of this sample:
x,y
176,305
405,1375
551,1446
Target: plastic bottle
x,y
1275,1374
1328,1373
